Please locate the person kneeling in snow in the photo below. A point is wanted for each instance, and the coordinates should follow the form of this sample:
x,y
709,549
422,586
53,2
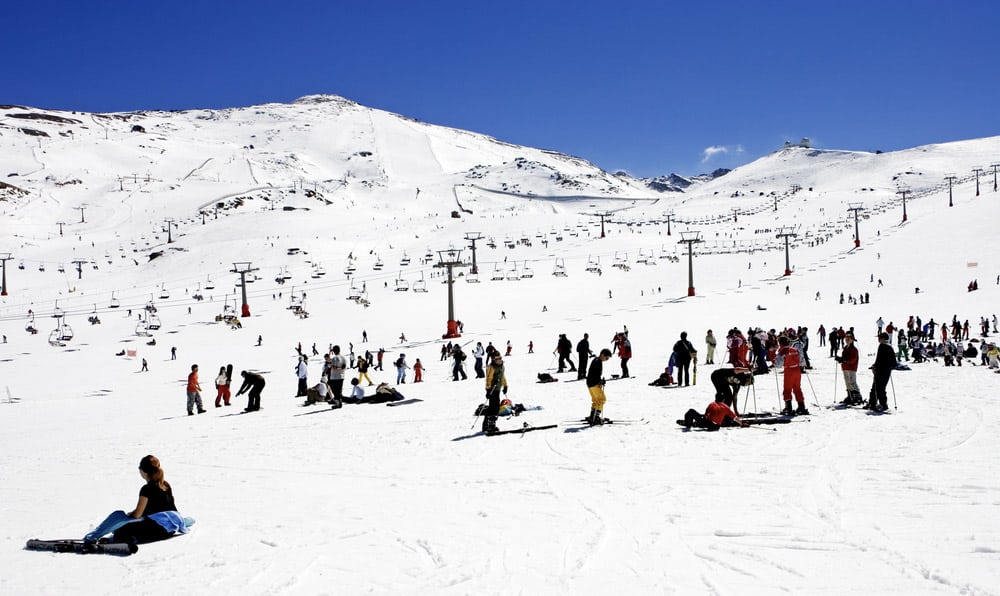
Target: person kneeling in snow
x,y
717,415
155,516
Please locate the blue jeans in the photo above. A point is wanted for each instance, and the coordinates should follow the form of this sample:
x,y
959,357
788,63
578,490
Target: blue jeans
x,y
111,523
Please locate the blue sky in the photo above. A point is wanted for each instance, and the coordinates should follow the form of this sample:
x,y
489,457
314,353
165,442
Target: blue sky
x,y
647,87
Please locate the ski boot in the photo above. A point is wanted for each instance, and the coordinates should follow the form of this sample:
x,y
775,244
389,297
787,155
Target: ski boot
x,y
490,425
787,411
801,409
597,419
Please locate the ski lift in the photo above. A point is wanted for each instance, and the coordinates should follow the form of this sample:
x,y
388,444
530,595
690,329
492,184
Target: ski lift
x,y
420,285
354,293
41,266
621,262
208,284
405,260
164,294
594,265
472,278
30,326
491,243
559,270
664,253
153,322
61,268
54,339
93,263
527,272
93,319
378,264
65,332
150,307
497,273
57,313
20,265
513,275
142,329
402,285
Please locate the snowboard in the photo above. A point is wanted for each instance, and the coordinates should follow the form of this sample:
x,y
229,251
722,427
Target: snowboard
x,y
121,549
403,402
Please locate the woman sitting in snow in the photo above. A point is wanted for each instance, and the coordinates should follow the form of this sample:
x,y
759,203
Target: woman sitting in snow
x,y
155,516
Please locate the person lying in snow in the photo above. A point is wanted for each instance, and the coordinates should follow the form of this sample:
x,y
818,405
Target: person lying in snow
x,y
717,415
155,515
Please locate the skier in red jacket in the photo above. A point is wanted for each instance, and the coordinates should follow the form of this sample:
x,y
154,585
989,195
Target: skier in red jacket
x,y
788,357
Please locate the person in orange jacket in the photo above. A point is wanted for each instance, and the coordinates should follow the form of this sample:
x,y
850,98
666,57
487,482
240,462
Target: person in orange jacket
x,y
790,360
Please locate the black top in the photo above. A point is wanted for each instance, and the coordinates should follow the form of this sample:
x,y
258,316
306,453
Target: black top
x,y
595,372
583,347
683,349
885,359
157,499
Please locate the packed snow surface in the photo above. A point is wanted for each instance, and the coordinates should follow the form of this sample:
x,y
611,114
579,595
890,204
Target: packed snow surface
x,y
413,499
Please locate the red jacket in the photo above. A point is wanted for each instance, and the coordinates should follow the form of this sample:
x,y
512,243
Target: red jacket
x,y
849,358
717,412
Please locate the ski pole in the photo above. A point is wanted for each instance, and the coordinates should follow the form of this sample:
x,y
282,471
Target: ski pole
x,y
754,389
834,382
893,385
815,401
479,411
780,401
759,427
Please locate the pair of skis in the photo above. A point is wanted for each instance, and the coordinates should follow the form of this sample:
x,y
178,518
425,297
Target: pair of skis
x,y
121,549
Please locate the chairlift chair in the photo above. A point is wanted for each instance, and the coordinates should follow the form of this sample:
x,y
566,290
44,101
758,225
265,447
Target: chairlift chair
x,y
513,275
559,270
527,272
472,278
420,285
153,322
208,284
142,329
65,331
41,266
61,268
497,274
402,285
164,294
54,339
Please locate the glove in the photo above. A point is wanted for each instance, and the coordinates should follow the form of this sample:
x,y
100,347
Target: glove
x,y
505,391
838,358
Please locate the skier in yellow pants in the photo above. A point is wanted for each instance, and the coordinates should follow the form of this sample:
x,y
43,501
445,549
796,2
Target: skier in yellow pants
x,y
595,385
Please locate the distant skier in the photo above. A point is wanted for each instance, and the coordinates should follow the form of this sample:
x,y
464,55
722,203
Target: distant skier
x,y
583,353
564,347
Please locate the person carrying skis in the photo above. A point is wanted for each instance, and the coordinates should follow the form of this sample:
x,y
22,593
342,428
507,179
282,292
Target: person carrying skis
x,y
595,386
885,363
848,360
788,358
155,515
496,382
716,415
255,383
727,383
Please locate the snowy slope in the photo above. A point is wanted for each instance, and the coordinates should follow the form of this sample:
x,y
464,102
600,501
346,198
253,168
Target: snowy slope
x,y
409,500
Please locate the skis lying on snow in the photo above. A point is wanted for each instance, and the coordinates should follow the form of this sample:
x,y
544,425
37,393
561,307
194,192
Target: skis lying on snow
x,y
121,549
612,421
403,403
524,429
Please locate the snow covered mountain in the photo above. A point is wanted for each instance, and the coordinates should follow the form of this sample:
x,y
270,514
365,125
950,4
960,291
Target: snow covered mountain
x,y
123,232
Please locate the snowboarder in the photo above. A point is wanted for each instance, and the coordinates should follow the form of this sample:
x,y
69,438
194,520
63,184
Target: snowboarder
x,y
496,381
155,516
222,387
255,383
595,386
194,392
